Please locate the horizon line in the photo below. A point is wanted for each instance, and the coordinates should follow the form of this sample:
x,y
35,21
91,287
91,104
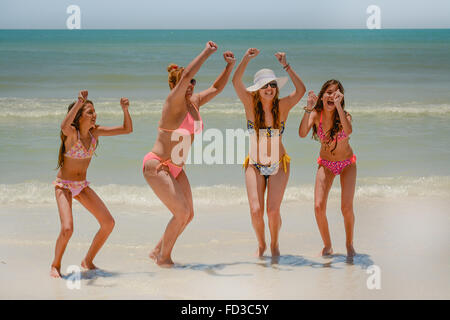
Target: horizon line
x,y
215,29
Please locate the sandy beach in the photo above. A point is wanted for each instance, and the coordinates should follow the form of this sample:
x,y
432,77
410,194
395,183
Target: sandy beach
x,y
406,238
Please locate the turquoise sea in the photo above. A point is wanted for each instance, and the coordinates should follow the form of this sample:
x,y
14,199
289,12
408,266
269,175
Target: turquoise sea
x,y
396,84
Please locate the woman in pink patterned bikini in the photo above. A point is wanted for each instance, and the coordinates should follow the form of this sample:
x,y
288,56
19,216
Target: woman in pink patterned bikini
x,y
79,139
332,126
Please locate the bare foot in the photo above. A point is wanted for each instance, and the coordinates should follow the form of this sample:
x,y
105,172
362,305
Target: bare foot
x,y
154,254
88,265
55,272
260,251
327,251
350,251
275,251
164,263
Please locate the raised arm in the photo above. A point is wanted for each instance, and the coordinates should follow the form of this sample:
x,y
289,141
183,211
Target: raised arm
x,y
66,124
126,128
177,95
345,120
291,100
239,86
220,83
309,116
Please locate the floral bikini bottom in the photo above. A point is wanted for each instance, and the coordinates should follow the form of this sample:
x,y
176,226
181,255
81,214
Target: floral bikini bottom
x,y
74,186
336,166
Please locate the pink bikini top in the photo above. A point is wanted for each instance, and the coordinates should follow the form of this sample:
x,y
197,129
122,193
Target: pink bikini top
x,y
340,136
78,151
189,125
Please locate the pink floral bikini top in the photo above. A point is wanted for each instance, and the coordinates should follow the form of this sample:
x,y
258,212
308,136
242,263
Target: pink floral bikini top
x,y
78,151
323,137
189,125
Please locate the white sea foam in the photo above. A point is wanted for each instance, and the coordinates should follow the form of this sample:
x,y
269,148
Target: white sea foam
x,y
57,108
34,192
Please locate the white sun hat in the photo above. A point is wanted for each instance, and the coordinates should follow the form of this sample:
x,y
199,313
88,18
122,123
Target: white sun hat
x,y
263,77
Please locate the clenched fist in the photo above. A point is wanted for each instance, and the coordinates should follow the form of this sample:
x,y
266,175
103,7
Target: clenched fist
x,y
281,57
82,95
251,53
229,57
124,103
211,47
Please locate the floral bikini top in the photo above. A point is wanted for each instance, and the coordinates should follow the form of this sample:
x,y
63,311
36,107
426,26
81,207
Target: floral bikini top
x,y
323,137
78,151
269,132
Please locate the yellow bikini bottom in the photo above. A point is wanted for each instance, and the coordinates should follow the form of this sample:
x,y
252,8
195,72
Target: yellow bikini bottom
x,y
268,169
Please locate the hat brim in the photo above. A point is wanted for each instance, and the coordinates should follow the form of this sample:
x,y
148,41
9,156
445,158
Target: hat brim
x,y
280,82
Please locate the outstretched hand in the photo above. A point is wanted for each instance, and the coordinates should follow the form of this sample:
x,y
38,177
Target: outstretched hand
x,y
124,103
229,57
252,52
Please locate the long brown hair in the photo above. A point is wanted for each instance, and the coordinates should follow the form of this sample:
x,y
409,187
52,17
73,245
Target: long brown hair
x,y
258,110
337,126
76,124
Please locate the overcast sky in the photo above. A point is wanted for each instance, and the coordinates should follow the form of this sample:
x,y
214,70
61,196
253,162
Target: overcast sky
x,y
226,14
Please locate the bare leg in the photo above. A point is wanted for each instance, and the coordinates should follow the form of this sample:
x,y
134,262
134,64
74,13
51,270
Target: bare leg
x,y
92,202
256,186
170,192
64,202
275,191
324,181
184,184
348,182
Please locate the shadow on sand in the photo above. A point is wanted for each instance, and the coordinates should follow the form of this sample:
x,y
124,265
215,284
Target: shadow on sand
x,y
335,261
212,268
282,263
93,275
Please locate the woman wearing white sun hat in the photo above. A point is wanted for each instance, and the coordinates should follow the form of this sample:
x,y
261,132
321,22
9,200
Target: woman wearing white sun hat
x,y
266,116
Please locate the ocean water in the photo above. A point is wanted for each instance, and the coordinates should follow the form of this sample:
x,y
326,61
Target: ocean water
x,y
396,84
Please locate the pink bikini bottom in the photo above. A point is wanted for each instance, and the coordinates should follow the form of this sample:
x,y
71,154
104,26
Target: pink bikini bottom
x,y
336,166
74,186
173,168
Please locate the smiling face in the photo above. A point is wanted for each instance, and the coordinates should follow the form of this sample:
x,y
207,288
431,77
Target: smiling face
x,y
269,91
88,116
328,97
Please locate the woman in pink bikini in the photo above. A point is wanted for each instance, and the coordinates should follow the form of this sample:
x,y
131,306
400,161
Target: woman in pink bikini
x,y
180,121
333,126
79,139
